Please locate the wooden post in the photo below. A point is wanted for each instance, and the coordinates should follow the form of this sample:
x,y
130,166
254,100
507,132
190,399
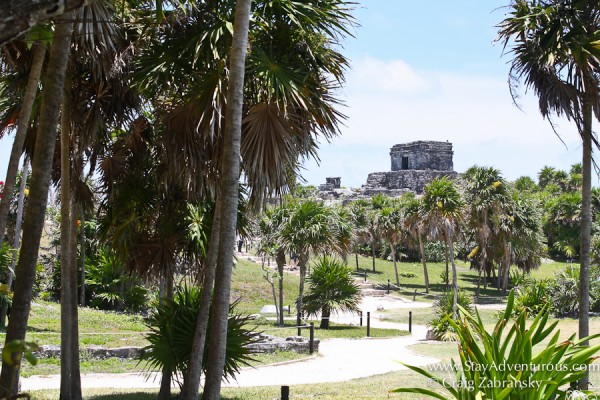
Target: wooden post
x,y
368,323
410,321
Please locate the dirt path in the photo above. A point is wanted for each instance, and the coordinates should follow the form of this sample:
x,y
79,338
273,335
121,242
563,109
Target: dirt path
x,y
338,359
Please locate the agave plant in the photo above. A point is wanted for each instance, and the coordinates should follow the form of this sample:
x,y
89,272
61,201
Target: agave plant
x,y
502,365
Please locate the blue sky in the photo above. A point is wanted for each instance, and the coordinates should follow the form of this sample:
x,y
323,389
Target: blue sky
x,y
430,71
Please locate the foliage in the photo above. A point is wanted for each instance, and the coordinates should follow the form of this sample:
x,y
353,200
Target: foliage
x,y
435,251
331,288
442,311
565,290
109,287
533,296
508,359
172,325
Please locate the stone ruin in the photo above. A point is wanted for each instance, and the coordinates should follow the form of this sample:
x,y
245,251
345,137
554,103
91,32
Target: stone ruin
x,y
414,165
331,184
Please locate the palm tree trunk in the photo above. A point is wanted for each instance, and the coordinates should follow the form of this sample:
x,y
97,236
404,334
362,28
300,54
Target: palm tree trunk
x,y
425,273
82,253
66,314
373,253
356,258
395,265
164,392
74,334
506,275
447,271
229,196
325,315
586,220
191,383
454,278
39,53
17,242
302,261
280,265
33,221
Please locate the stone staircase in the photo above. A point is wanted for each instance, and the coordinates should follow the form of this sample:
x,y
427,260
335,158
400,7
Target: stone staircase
x,y
369,289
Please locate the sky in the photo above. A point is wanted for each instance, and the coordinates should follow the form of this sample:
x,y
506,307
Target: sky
x,y
430,70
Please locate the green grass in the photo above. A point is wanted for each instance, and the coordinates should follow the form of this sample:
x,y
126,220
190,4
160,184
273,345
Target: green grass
x,y
467,278
253,290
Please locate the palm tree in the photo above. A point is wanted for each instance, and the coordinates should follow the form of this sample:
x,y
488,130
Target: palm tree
x,y
331,288
486,193
413,222
228,203
555,52
390,222
313,228
36,207
39,53
442,211
360,218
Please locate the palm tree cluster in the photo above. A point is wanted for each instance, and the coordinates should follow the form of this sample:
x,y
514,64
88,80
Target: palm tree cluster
x,y
149,115
495,226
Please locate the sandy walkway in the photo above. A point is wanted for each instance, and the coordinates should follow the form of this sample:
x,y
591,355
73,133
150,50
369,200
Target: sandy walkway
x,y
338,360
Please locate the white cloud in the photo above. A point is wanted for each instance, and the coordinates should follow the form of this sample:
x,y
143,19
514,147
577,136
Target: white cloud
x,y
391,102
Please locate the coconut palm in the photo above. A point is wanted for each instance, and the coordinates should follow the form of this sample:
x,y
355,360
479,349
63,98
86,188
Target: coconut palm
x,y
555,52
331,287
443,213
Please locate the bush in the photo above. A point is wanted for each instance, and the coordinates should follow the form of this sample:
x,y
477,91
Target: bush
x,y
508,360
172,326
565,291
442,311
435,251
108,287
533,296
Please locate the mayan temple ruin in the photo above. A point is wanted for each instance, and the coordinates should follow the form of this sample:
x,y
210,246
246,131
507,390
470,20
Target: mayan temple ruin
x,y
413,166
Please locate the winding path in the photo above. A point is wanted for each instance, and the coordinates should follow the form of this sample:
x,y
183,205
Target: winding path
x,y
338,360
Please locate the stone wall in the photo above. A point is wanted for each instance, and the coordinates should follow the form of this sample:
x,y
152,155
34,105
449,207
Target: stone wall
x,y
423,155
395,183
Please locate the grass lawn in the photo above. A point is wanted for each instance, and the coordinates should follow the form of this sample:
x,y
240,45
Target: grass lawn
x,y
467,278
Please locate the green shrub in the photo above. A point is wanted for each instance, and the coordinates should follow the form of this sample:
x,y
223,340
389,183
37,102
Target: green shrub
x,y
565,291
442,311
109,287
533,296
435,251
509,362
172,325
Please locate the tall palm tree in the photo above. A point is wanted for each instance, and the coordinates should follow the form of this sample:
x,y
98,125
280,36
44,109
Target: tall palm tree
x,y
413,223
443,213
23,124
36,207
555,53
313,228
486,193
390,222
228,202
